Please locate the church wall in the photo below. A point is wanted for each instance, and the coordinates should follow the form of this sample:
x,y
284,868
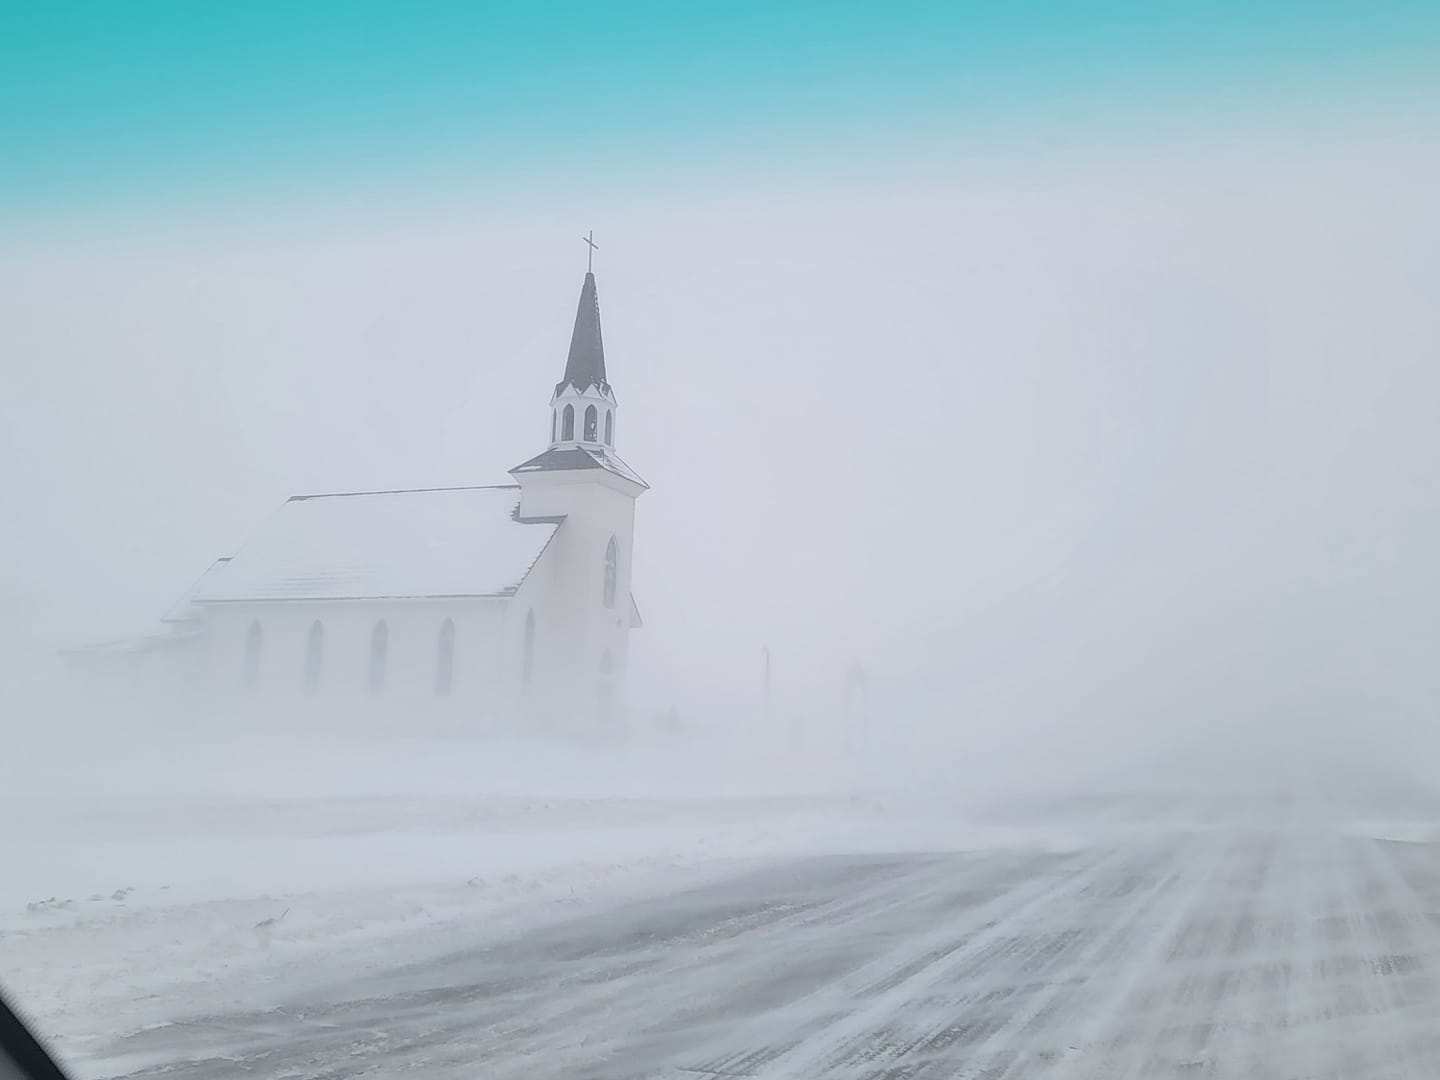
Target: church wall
x,y
566,590
483,678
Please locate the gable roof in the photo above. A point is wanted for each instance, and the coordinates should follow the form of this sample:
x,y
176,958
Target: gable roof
x,y
370,545
563,458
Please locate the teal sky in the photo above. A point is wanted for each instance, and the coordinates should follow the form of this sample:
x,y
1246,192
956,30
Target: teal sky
x,y
117,102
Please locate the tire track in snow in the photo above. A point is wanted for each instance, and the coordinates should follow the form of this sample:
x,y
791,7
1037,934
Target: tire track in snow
x,y
1315,967
867,1003
1022,1039
1216,947
1116,993
1268,987
1350,980
1390,1022
1339,988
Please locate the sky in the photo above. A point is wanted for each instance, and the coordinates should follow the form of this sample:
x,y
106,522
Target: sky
x,y
1073,367
111,107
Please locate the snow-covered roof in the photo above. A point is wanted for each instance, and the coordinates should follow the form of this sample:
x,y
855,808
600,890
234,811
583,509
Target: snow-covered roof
x,y
184,608
430,542
178,638
563,459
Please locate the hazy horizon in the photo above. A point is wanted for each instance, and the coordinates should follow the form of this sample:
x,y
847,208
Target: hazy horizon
x,y
1091,397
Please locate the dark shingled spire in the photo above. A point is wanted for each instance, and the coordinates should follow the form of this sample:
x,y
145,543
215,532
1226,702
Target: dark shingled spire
x,y
586,363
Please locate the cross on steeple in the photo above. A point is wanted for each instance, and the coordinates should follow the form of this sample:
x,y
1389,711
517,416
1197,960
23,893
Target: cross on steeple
x,y
590,255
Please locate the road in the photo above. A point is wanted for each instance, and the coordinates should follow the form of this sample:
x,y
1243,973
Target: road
x,y
1221,937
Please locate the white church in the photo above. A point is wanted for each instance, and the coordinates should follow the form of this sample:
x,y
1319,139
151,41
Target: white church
x,y
501,604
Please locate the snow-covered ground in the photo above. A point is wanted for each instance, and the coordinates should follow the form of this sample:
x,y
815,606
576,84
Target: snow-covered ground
x,y
160,875
275,904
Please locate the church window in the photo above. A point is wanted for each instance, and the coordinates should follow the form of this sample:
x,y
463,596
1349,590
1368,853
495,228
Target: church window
x,y
611,557
379,647
445,658
609,427
554,425
527,669
252,656
567,424
592,418
314,656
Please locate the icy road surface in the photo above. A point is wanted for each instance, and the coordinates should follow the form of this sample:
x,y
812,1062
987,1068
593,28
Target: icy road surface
x,y
1228,937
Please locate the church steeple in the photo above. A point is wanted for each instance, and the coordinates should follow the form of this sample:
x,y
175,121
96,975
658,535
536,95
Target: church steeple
x,y
582,408
583,405
585,366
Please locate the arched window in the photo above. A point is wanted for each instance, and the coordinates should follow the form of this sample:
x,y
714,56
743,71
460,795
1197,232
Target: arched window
x,y
609,427
554,424
567,423
527,662
251,670
379,646
314,656
445,657
592,419
611,556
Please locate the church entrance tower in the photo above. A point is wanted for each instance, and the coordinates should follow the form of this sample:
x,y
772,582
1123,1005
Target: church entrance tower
x,y
582,611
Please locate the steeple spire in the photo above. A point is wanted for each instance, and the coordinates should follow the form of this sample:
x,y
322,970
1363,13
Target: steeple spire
x,y
585,365
583,408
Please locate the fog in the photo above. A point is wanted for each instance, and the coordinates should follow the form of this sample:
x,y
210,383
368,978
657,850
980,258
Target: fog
x,y
1022,662
1089,456
1106,466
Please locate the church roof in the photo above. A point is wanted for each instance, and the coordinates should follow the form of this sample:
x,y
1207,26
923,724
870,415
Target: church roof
x,y
184,609
585,366
562,458
175,638
370,545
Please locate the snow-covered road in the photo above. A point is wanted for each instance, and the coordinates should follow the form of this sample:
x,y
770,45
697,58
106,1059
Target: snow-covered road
x,y
1216,936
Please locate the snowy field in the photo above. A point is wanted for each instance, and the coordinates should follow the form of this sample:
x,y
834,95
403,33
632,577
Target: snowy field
x,y
158,877
288,907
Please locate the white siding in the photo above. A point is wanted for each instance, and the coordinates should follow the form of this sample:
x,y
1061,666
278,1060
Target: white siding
x,y
480,687
566,589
